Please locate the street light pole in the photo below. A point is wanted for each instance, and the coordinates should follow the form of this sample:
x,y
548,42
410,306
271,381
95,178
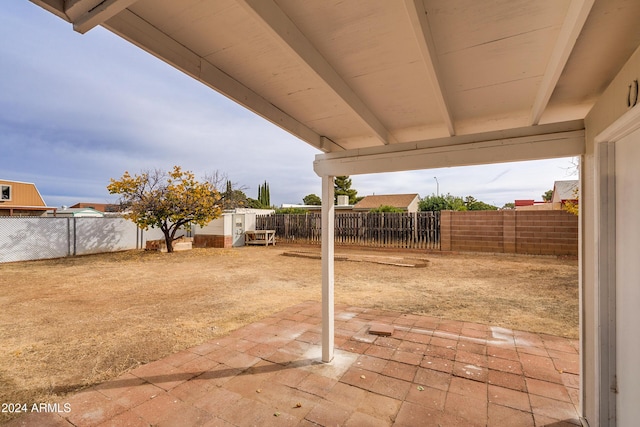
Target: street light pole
x,y
437,186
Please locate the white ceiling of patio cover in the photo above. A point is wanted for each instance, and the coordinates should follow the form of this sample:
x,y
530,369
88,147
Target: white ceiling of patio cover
x,y
365,73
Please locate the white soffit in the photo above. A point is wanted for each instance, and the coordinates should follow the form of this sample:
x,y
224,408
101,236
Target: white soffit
x,y
350,75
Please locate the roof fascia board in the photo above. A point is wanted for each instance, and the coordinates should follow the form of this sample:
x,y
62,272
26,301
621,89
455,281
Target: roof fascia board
x,y
458,152
574,20
289,36
57,7
149,38
420,24
99,14
74,9
10,181
549,128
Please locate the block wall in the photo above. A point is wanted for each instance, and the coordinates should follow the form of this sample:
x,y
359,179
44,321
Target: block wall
x,y
521,232
554,233
212,241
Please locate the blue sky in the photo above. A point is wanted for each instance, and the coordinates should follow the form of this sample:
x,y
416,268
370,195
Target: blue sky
x,y
77,110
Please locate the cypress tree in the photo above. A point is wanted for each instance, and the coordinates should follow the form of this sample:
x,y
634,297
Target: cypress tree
x,y
263,195
268,197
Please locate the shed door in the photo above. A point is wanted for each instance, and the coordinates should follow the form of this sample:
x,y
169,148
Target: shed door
x,y
238,229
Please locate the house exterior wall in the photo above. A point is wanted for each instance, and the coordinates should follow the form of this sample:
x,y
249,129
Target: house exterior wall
x,y
406,202
594,203
538,207
627,154
518,232
23,194
413,206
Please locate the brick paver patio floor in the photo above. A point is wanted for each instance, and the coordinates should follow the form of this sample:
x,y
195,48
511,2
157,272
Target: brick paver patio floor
x,y
429,372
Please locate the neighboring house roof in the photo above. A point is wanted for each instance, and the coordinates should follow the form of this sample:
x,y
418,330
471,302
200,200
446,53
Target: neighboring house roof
x,y
101,207
565,190
316,207
80,212
401,201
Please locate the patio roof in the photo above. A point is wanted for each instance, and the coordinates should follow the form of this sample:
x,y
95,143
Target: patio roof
x,y
361,74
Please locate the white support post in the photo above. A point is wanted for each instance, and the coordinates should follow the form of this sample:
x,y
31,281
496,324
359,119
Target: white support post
x,y
328,212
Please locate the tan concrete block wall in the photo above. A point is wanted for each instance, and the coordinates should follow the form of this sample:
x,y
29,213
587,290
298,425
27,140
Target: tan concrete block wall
x,y
477,231
445,230
522,232
554,233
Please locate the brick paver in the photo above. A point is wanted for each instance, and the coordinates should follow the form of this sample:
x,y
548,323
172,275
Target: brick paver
x,y
428,372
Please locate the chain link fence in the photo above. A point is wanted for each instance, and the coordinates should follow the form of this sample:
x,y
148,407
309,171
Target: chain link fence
x,y
32,238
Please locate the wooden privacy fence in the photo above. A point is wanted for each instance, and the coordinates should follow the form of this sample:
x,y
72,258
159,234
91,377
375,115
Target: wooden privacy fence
x,y
418,230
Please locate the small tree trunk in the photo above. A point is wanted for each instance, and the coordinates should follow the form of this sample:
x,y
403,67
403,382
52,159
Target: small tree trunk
x,y
168,238
168,241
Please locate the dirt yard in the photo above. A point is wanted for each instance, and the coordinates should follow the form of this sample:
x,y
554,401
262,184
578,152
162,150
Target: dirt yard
x,y
69,323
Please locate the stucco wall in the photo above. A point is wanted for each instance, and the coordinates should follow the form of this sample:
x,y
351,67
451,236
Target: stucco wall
x,y
627,154
609,108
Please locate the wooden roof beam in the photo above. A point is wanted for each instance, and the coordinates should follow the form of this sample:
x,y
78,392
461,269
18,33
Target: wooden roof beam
x,y
547,141
144,35
420,25
571,27
100,13
57,7
276,22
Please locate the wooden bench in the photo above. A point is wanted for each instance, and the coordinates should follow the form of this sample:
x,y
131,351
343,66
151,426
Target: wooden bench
x,y
260,237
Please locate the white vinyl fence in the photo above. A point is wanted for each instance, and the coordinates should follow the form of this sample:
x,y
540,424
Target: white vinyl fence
x,y
31,238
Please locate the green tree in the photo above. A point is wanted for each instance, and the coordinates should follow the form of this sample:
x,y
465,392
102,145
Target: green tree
x,y
166,200
291,211
342,187
232,195
387,208
264,197
442,203
508,206
473,204
254,204
232,198
573,206
548,195
312,199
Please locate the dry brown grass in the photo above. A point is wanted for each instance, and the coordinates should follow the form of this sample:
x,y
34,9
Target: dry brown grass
x,y
69,323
